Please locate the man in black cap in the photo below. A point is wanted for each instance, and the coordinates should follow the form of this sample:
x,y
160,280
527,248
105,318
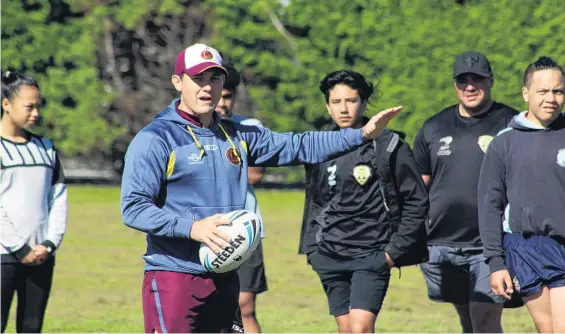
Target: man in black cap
x,y
449,149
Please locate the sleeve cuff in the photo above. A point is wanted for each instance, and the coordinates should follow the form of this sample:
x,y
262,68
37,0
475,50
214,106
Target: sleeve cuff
x,y
363,139
496,264
22,252
49,245
183,228
392,252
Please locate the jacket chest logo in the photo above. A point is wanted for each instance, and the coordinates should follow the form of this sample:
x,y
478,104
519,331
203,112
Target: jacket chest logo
x,y
232,156
484,142
561,157
362,173
194,157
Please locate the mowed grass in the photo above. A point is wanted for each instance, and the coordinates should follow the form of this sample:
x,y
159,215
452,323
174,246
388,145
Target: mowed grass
x,y
98,274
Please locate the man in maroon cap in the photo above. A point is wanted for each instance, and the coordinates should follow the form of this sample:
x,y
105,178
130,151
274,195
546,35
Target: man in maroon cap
x,y
186,170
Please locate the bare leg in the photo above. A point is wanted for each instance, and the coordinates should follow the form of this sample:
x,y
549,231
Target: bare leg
x,y
540,310
557,301
247,306
343,323
361,321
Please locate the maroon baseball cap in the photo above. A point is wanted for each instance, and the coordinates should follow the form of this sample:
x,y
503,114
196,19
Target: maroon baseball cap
x,y
197,58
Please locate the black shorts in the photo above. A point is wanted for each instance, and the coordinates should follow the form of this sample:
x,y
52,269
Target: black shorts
x,y
252,273
358,283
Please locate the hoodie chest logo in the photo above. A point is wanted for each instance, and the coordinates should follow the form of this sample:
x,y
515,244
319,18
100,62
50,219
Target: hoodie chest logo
x,y
210,147
194,158
484,142
232,157
561,157
362,174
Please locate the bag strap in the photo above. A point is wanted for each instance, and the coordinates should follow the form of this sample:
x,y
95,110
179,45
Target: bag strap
x,y
387,184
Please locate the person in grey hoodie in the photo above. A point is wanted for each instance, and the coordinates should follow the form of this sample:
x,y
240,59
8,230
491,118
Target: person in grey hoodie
x,y
522,200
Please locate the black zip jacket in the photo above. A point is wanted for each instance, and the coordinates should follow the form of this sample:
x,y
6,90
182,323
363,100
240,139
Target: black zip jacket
x,y
346,215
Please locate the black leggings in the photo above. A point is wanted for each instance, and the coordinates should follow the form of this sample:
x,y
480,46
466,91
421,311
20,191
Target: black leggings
x,y
32,284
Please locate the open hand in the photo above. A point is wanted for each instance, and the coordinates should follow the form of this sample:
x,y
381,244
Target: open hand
x,y
377,123
207,231
501,283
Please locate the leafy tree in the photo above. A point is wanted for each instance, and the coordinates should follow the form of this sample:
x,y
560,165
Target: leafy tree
x,y
105,66
49,42
406,46
138,42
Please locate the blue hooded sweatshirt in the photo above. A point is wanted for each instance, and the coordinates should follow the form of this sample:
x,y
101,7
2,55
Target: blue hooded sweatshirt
x,y
177,173
522,185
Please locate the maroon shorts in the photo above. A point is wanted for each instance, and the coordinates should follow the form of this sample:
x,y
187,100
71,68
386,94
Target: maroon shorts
x,y
185,303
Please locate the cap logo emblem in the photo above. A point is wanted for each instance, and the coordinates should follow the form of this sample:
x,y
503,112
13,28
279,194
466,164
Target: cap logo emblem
x,y
470,61
206,54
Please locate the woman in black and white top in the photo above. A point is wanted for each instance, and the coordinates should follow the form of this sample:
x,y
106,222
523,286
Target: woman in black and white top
x,y
33,200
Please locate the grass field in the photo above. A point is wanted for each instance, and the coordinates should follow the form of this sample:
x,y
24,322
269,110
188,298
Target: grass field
x,y
97,285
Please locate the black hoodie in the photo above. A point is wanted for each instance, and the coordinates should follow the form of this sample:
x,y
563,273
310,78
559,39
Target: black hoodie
x,y
522,185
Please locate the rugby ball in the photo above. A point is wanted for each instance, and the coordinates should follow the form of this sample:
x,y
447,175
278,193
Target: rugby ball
x,y
245,230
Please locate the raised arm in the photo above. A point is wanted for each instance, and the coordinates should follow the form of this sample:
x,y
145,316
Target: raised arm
x,y
267,148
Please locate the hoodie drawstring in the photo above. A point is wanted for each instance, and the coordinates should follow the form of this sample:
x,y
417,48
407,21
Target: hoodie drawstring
x,y
201,148
235,151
